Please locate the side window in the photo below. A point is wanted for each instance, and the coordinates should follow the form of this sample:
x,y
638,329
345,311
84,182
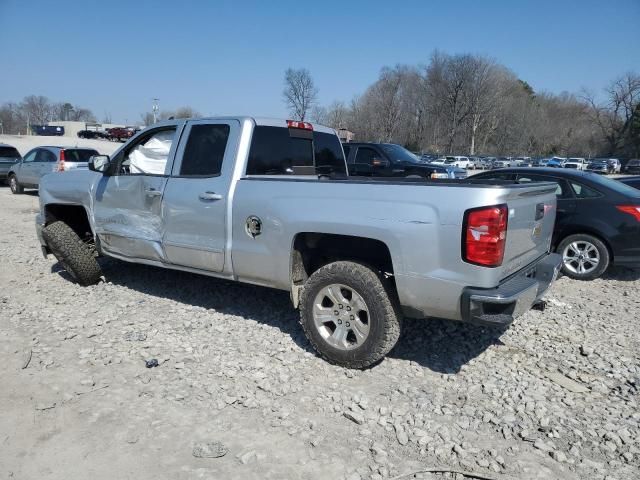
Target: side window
x,y
149,155
346,149
31,156
366,155
204,152
45,156
582,191
275,152
562,190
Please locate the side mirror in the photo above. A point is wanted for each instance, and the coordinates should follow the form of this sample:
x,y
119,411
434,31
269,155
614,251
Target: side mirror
x,y
99,163
379,162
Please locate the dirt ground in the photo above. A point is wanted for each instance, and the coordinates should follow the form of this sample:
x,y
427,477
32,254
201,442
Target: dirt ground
x,y
553,397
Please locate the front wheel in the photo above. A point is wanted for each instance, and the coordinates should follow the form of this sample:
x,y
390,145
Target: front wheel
x,y
584,257
73,254
15,187
349,314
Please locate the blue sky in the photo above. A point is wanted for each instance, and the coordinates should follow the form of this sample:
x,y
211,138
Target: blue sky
x,y
229,57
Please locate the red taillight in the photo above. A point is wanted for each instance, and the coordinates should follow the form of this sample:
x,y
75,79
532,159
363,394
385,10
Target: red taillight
x,y
61,161
301,125
631,210
485,235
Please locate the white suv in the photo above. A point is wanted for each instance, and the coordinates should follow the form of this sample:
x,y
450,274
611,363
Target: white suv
x,y
576,163
460,162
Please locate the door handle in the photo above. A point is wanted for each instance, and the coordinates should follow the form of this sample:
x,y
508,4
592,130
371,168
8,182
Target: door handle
x,y
152,192
210,196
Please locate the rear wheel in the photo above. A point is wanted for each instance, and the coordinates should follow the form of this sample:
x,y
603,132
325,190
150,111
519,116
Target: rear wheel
x,y
349,314
15,187
76,257
584,257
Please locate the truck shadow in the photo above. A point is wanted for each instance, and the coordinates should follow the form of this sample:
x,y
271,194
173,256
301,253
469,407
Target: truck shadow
x,y
440,345
443,346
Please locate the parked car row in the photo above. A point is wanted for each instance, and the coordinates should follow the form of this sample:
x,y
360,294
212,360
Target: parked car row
x,y
118,134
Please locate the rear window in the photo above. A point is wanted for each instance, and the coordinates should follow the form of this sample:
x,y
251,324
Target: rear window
x,y
78,155
9,152
283,151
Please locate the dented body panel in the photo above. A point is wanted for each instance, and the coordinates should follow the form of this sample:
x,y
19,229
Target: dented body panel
x,y
243,227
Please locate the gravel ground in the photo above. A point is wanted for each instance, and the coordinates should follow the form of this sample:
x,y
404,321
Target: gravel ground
x,y
238,393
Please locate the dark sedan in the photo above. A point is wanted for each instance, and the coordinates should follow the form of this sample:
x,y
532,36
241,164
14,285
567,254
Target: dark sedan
x,y
631,181
632,166
598,167
391,160
597,222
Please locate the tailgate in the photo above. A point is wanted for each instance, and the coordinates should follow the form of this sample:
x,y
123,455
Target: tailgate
x,y
532,214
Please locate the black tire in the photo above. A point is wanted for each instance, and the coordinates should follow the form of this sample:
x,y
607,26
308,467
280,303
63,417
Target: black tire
x,y
73,254
571,268
384,318
14,185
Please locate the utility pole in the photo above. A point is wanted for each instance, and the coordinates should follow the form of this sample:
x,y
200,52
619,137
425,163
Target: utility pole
x,y
155,108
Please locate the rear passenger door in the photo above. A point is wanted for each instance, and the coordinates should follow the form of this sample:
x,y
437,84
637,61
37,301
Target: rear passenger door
x,y
196,197
45,163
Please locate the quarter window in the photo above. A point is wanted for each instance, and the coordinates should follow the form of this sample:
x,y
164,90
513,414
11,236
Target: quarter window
x,y
205,149
582,191
562,190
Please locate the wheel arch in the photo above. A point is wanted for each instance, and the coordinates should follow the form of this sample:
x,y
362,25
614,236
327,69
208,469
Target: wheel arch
x,y
312,250
74,215
581,230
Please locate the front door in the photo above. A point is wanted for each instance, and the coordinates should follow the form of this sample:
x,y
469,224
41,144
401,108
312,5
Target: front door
x,y
28,167
197,194
128,201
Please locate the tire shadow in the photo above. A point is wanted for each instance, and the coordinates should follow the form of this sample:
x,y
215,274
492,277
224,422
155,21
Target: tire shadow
x,y
442,346
623,274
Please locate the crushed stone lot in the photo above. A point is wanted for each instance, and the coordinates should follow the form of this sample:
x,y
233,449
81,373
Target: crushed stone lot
x,y
238,392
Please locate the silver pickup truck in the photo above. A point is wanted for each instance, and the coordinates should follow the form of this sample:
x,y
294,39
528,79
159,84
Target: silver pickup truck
x,y
269,202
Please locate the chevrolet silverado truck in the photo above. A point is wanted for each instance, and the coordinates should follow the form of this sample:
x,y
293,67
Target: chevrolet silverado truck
x,y
269,202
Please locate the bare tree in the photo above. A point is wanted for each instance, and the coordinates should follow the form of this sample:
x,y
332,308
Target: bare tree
x,y
186,112
299,92
613,116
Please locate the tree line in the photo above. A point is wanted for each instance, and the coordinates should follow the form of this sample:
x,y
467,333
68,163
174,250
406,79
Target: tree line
x,y
39,110
471,104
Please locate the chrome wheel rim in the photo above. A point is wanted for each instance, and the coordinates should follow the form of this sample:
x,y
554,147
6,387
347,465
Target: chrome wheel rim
x,y
581,257
341,316
13,184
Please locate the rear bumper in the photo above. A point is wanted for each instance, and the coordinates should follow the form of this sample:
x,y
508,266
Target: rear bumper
x,y
503,304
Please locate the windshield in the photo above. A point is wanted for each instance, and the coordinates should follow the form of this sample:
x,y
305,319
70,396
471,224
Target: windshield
x,y
615,185
633,163
9,152
399,154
